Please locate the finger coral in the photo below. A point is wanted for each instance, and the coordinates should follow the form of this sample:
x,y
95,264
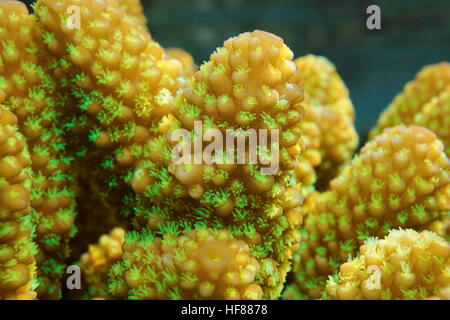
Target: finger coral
x,y
125,85
405,265
200,264
17,249
335,115
435,115
400,179
429,83
250,83
96,216
164,180
30,93
96,262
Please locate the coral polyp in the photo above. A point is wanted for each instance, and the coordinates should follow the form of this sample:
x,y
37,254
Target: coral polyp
x,y
234,179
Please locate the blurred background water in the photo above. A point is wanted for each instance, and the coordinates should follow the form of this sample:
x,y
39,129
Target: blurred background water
x,y
374,64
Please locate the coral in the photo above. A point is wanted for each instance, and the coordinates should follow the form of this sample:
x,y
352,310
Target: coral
x,y
94,121
400,179
252,76
31,94
308,161
200,264
17,249
441,226
405,265
323,83
435,115
250,83
96,262
428,83
335,115
93,61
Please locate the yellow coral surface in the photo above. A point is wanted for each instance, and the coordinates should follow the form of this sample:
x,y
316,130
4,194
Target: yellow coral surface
x,y
428,84
92,119
405,265
31,94
17,249
335,115
400,179
200,264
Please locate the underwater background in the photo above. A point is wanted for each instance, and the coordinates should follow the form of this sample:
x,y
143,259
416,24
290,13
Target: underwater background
x,y
374,64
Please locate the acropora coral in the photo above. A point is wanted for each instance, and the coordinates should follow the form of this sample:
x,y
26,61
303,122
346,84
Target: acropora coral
x,y
427,85
400,179
425,101
17,248
334,113
198,264
31,94
88,124
405,265
435,115
96,262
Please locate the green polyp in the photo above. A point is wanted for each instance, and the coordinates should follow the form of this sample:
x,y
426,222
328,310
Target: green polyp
x,y
51,267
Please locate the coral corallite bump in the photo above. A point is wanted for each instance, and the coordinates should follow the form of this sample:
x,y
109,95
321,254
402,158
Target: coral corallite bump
x,y
199,264
90,125
401,179
405,265
17,249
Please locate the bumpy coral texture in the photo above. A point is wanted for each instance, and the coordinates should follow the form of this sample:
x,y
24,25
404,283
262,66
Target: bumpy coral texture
x,y
92,114
199,264
335,115
435,115
31,94
405,265
400,179
250,83
96,262
125,84
17,250
428,84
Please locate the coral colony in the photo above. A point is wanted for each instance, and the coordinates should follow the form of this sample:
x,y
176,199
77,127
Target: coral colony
x,y
93,120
